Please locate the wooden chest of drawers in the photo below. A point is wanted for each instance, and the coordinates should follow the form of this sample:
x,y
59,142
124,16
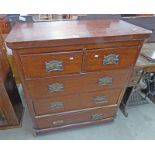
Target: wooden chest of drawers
x,y
74,72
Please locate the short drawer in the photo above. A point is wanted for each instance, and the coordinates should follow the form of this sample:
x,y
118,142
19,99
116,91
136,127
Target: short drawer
x,y
57,86
64,119
76,101
105,59
49,64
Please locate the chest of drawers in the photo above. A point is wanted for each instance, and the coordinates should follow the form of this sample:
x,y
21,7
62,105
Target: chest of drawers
x,y
74,72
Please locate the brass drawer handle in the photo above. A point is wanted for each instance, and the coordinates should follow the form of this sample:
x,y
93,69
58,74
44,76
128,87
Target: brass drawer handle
x,y
57,105
58,122
96,117
111,59
56,87
105,81
54,65
100,99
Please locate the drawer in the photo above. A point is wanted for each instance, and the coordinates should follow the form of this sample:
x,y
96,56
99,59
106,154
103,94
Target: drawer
x,y
89,115
105,59
45,65
76,101
57,86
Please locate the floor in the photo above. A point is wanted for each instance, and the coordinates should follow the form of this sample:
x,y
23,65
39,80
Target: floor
x,y
140,124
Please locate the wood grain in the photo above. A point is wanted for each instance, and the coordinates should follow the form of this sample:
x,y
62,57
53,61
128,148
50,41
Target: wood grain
x,y
35,43
78,47
34,64
10,102
94,59
75,117
75,102
77,83
60,33
72,126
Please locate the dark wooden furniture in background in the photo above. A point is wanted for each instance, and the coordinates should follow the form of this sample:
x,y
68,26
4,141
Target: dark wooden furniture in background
x,y
5,28
5,25
74,72
11,108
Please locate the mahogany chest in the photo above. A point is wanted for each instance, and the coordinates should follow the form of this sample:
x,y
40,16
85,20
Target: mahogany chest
x,y
74,73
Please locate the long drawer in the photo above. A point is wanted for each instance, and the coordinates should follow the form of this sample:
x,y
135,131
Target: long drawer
x,y
75,102
58,86
89,115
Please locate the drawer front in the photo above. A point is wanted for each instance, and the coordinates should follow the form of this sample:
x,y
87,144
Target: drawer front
x,y
45,65
57,86
109,58
76,101
75,117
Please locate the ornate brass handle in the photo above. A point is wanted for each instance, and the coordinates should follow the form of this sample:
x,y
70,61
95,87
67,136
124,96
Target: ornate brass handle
x,y
58,122
105,81
111,59
57,105
100,99
56,87
96,117
54,65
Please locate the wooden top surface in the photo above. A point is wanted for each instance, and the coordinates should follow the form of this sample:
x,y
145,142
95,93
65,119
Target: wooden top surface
x,y
42,34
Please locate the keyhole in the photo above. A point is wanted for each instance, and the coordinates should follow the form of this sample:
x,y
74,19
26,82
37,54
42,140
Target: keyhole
x,y
96,55
71,58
